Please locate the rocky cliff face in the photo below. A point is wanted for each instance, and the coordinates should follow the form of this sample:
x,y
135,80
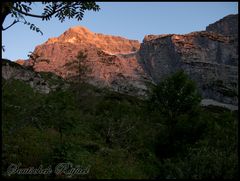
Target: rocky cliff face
x,y
38,81
227,26
210,58
111,59
111,44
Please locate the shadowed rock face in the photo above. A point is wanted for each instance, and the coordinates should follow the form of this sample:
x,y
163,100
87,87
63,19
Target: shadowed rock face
x,y
226,26
210,58
11,70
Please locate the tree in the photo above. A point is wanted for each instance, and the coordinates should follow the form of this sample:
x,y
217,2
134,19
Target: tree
x,y
35,58
175,96
114,122
55,111
61,10
78,72
77,68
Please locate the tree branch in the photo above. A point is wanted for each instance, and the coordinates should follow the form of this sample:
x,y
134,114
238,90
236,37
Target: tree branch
x,y
41,16
14,22
32,15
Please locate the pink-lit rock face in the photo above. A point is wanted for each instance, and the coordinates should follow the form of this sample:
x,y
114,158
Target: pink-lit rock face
x,y
20,61
110,44
112,59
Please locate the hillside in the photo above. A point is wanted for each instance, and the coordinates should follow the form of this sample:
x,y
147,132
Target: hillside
x,y
111,135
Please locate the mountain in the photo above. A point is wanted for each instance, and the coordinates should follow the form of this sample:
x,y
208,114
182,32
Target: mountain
x,y
112,59
81,36
209,57
42,82
225,26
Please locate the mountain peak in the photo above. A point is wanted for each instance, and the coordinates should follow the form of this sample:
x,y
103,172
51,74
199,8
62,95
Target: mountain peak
x,y
80,36
228,25
79,29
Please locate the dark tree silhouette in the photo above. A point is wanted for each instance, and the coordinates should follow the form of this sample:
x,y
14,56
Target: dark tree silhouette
x,y
36,59
78,72
61,10
175,96
78,69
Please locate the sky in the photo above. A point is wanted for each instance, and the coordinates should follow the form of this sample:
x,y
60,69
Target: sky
x,y
132,20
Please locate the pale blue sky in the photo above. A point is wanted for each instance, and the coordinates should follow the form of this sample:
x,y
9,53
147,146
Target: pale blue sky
x,y
131,20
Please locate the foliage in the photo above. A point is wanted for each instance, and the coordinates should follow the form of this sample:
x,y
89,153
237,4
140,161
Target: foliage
x,y
214,156
177,100
176,95
78,68
60,10
52,128
52,78
78,71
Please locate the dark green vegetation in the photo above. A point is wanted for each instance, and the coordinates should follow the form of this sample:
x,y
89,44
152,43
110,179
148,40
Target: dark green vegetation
x,y
119,136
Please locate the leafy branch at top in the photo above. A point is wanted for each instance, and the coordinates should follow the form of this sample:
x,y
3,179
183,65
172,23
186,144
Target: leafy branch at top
x,y
59,10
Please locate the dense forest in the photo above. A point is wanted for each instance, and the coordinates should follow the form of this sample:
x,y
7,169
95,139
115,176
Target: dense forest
x,y
113,135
